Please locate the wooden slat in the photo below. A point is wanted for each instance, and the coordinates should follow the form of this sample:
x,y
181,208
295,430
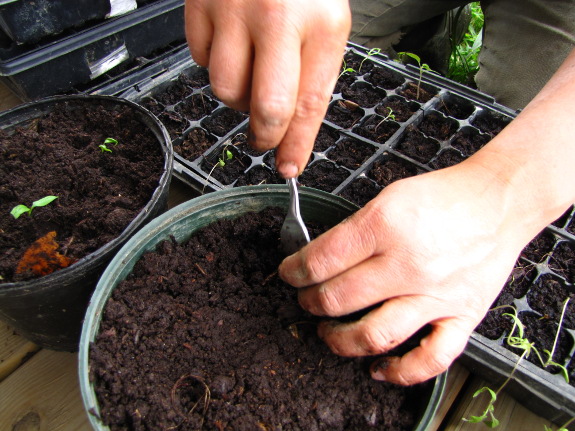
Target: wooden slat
x,y
43,394
14,349
456,378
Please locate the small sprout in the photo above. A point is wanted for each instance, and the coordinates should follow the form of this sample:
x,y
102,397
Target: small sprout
x,y
345,69
227,155
104,148
422,67
390,116
370,53
18,210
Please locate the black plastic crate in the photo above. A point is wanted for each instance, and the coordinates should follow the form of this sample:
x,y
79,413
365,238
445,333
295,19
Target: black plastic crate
x,y
394,134
80,58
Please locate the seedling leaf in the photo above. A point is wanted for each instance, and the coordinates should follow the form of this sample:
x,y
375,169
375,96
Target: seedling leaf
x,y
44,201
18,210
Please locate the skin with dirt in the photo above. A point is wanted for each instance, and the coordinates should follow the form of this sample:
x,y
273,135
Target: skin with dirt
x,y
204,335
99,192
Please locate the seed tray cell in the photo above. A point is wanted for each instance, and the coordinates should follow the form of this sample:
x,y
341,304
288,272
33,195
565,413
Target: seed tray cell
x,y
408,128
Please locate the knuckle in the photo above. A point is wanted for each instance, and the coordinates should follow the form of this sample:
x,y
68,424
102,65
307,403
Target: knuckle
x,y
328,302
376,340
274,112
229,94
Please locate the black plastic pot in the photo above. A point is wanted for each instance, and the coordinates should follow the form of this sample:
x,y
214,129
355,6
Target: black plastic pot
x,y
180,223
49,310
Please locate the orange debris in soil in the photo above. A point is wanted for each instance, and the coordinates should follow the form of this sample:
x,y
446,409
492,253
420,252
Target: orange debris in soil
x,y
42,257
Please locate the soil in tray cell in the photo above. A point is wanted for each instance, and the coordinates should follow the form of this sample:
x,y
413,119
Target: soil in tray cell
x,y
174,123
227,324
351,153
435,125
344,114
539,249
416,145
377,128
392,168
401,109
548,298
456,107
323,175
562,260
325,139
468,141
363,94
385,78
259,175
227,165
196,107
223,121
495,324
358,63
360,191
490,122
344,81
418,91
446,158
542,332
194,144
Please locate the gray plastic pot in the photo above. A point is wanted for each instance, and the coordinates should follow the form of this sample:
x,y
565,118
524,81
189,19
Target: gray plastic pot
x,y
49,310
181,222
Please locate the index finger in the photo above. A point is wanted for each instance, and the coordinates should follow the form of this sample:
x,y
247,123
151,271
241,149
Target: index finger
x,y
321,60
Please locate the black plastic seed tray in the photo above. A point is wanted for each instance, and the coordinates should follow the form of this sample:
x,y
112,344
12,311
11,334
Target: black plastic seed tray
x,y
28,21
382,125
57,66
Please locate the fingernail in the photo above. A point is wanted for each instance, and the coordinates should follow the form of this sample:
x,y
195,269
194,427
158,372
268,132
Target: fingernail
x,y
288,170
378,368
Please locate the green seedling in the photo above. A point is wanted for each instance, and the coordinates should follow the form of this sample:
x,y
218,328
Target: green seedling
x,y
390,116
422,67
224,159
370,53
104,147
18,210
516,339
345,69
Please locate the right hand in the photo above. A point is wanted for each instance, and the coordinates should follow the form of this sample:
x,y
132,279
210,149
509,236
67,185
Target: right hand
x,y
279,60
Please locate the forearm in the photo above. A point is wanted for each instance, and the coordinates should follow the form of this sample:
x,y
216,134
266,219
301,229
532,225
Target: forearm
x,y
532,160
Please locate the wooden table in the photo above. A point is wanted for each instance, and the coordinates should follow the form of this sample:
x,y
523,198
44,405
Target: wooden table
x,y
39,388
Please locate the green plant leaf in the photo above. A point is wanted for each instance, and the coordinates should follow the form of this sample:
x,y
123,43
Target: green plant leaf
x,y
111,141
18,210
44,201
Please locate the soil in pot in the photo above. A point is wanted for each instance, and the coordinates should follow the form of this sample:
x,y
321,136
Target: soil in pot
x,y
99,192
204,335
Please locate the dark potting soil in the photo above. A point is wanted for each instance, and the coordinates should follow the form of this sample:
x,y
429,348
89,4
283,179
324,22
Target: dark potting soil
x,y
99,193
204,335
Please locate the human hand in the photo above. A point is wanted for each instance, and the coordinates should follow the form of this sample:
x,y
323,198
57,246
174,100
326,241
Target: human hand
x,y
437,248
278,59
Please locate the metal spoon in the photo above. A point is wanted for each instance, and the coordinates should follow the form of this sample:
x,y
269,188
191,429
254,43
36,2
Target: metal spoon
x,y
294,234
